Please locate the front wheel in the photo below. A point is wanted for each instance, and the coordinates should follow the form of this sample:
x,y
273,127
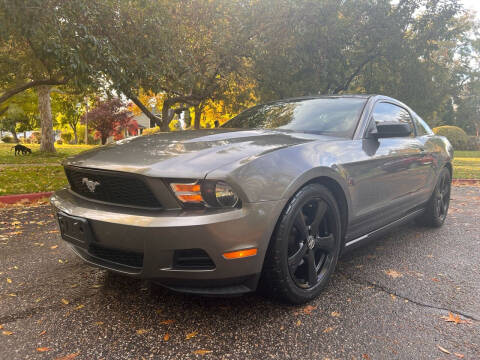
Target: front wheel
x,y
305,246
437,207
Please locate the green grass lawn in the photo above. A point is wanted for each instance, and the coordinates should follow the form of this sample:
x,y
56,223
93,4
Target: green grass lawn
x,y
38,172
31,179
466,165
43,172
63,151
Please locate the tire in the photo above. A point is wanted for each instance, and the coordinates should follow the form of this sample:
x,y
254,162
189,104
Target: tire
x,y
304,248
437,207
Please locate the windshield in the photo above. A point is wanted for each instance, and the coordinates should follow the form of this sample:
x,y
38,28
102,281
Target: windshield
x,y
331,116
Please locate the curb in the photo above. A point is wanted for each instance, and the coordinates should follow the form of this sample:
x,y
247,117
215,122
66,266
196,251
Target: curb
x,y
466,182
12,199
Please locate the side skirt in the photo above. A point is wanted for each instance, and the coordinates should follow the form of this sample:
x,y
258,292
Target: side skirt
x,y
385,228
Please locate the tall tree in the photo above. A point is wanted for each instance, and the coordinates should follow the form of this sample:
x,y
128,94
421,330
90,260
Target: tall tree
x,y
34,54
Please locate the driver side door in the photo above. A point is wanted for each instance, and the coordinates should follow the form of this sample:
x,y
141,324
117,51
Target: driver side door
x,y
387,181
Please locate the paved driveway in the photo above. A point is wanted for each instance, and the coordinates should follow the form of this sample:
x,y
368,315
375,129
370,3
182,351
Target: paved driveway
x,y
386,301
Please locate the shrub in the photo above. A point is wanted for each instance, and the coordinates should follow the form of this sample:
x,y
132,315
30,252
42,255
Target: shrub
x,y
7,139
59,142
35,137
457,137
473,143
66,136
151,130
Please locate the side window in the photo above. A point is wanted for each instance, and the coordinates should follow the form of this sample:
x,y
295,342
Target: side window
x,y
422,127
392,113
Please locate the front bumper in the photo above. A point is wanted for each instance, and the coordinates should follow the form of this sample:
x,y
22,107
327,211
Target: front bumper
x,y
157,235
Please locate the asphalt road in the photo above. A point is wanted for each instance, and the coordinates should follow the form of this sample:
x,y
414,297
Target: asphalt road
x,y
386,300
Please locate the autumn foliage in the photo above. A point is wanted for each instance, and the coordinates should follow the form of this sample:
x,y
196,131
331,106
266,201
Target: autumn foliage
x,y
111,118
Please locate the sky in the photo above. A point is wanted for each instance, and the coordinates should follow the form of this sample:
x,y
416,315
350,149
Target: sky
x,y
473,5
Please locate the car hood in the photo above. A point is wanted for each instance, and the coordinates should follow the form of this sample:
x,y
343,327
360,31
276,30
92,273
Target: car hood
x,y
189,154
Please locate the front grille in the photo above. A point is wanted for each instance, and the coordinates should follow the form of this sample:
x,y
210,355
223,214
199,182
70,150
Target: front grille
x,y
122,257
192,259
111,187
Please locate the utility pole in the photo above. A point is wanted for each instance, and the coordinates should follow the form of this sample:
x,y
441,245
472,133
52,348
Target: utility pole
x,y
86,120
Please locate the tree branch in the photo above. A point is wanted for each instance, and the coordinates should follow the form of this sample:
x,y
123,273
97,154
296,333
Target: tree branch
x,y
144,109
357,71
3,110
11,92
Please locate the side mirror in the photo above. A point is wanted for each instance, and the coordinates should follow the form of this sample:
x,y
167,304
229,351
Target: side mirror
x,y
389,129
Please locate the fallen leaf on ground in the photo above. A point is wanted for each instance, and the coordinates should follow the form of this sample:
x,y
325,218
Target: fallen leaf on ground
x,y
74,286
9,280
69,356
456,319
53,247
142,331
335,314
392,273
98,323
6,332
442,349
12,294
96,286
435,279
191,335
365,356
299,323
460,356
65,301
166,337
43,332
43,349
81,306
393,297
327,330
308,309
167,322
202,352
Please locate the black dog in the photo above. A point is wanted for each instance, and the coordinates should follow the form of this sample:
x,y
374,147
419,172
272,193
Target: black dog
x,y
21,149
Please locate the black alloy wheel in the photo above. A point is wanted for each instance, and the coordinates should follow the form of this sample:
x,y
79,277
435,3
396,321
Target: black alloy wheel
x,y
436,209
311,244
305,246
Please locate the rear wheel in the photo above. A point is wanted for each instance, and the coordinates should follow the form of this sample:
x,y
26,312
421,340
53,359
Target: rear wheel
x,y
437,207
305,246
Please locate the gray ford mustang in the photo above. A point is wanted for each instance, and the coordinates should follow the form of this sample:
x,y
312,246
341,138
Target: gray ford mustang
x,y
271,198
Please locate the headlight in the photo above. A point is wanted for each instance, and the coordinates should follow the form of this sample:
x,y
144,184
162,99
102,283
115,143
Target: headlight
x,y
209,193
225,195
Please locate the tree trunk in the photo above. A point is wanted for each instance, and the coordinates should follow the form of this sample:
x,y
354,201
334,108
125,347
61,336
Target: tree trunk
x,y
75,135
187,117
104,139
45,110
198,115
167,116
14,134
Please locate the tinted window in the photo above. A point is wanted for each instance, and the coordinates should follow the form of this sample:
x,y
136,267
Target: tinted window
x,y
392,113
422,127
332,116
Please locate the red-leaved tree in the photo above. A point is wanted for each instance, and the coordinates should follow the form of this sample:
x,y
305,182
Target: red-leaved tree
x,y
110,117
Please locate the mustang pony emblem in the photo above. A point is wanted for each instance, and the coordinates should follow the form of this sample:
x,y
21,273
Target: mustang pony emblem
x,y
91,185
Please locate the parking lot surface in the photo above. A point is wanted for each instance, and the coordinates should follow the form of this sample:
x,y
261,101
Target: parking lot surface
x,y
389,299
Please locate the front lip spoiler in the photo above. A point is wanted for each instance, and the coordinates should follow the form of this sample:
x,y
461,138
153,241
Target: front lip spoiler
x,y
240,286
